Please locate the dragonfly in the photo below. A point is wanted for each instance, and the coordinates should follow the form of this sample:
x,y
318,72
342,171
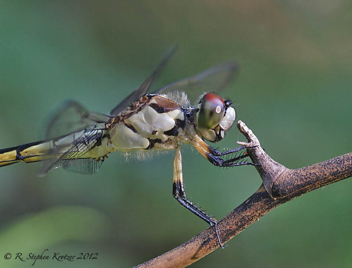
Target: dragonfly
x,y
80,140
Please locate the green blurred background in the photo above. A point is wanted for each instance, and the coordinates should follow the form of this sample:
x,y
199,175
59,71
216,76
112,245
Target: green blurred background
x,y
293,90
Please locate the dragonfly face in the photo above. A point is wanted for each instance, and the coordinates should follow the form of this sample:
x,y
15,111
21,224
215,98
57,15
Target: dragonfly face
x,y
79,140
214,117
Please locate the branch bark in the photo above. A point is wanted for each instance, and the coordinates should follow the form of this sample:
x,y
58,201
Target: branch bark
x,y
280,185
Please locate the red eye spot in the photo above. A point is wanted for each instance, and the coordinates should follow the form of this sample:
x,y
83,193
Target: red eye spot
x,y
214,99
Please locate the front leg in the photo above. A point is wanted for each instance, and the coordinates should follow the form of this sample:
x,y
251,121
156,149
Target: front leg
x,y
179,194
214,156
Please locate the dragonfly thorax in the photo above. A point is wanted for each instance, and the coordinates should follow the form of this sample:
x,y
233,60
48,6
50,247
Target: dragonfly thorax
x,y
214,117
155,122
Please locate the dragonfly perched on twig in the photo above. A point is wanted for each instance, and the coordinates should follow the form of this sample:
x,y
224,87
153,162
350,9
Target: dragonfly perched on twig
x,y
143,121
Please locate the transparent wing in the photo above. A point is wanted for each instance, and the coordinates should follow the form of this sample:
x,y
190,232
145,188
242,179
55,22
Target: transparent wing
x,y
76,154
71,117
215,79
83,131
83,166
72,152
143,89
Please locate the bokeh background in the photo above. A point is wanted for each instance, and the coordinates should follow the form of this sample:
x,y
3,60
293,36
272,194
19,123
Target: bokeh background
x,y
293,90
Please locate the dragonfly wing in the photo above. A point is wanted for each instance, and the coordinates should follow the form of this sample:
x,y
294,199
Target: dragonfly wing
x,y
215,79
144,87
83,166
69,149
71,117
82,131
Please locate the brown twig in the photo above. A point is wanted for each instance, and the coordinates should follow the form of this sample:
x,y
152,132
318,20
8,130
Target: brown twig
x,y
280,185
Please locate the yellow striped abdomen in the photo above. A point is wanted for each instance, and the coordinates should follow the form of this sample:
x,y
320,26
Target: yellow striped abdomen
x,y
31,152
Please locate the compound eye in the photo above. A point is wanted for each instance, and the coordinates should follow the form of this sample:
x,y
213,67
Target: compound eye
x,y
211,111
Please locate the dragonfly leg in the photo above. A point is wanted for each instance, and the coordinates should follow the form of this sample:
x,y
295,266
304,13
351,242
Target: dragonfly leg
x,y
214,156
217,153
179,194
231,162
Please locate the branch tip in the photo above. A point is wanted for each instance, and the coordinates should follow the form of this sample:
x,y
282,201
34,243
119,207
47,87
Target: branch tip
x,y
268,169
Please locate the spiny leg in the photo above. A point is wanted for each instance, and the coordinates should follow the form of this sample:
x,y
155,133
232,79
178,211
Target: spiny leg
x,y
179,194
214,156
217,153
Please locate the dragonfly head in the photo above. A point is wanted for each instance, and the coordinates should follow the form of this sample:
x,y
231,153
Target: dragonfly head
x,y
215,117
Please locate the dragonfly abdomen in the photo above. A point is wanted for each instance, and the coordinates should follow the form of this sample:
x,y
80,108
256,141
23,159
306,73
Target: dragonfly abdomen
x,y
87,144
30,152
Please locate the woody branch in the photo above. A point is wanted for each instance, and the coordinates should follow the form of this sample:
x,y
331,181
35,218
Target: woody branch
x,y
280,185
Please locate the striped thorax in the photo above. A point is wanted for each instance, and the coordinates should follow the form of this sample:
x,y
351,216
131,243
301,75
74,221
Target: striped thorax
x,y
158,122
